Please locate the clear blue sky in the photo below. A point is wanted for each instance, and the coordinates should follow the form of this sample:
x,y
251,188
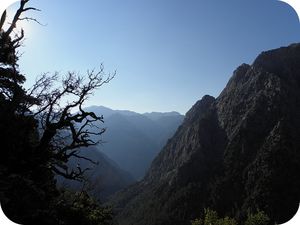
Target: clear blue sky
x,y
167,53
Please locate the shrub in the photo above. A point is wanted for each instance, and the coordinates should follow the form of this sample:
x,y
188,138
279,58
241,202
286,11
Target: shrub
x,y
260,218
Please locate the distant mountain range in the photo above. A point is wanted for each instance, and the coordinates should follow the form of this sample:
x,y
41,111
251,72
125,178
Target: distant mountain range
x,y
132,140
236,154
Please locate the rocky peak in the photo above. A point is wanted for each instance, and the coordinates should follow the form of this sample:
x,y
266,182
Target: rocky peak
x,y
282,61
199,108
183,146
236,153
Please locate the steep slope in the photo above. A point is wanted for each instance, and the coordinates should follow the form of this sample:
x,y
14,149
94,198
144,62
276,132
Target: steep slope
x,y
168,123
104,179
132,140
128,145
235,154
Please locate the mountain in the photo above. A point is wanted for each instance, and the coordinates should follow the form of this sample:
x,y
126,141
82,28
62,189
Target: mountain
x,y
155,116
235,154
104,179
132,140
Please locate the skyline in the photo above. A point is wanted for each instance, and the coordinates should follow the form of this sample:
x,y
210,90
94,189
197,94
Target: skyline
x,y
167,54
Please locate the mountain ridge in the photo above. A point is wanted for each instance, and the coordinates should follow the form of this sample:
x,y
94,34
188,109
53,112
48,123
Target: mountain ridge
x,y
132,139
235,153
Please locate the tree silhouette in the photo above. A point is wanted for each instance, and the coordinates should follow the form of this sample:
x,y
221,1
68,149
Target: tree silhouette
x,y
40,130
64,132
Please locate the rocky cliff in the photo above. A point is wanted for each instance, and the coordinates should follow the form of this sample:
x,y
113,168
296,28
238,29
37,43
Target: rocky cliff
x,y
235,154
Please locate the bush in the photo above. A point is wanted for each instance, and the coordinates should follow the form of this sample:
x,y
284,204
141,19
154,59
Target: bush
x,y
260,218
79,208
197,222
211,218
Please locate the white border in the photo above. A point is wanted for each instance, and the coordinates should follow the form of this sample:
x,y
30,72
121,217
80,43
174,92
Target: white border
x,y
295,4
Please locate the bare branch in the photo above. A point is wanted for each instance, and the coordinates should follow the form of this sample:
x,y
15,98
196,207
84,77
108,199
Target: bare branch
x,y
31,8
3,18
72,175
16,17
31,19
65,132
74,154
57,104
12,37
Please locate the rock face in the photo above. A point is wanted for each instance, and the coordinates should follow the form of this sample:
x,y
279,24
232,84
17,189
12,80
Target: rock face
x,y
235,154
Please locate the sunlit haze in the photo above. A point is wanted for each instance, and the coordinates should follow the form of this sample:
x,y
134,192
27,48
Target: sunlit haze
x,y
167,54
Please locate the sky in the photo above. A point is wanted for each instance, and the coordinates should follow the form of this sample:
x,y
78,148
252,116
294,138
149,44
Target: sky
x,y
167,53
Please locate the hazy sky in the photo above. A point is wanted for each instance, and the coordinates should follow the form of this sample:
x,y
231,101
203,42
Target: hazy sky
x,y
167,53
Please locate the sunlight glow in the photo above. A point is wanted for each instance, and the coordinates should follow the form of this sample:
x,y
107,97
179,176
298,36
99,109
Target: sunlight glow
x,y
4,4
11,10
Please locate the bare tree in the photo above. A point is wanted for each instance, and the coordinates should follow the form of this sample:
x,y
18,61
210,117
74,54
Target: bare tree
x,y
66,126
57,104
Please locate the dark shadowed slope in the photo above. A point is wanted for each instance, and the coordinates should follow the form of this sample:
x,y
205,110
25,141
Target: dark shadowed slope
x,y
103,179
235,154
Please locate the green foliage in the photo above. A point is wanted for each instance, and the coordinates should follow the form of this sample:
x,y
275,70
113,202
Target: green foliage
x,y
227,221
197,222
259,218
79,208
211,218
